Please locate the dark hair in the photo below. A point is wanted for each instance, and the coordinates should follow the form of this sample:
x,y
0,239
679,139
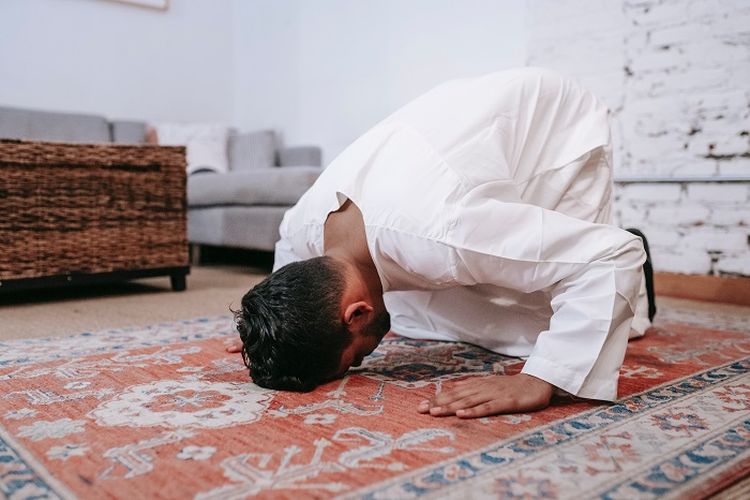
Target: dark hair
x,y
290,326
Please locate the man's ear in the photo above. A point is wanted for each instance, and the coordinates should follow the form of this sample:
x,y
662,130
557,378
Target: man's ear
x,y
356,310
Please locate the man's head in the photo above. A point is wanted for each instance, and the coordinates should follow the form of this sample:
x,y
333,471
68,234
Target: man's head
x,y
306,324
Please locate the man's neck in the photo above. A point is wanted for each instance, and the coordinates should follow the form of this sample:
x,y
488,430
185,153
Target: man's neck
x,y
345,240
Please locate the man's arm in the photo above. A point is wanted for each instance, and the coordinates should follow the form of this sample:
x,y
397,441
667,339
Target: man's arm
x,y
284,254
592,272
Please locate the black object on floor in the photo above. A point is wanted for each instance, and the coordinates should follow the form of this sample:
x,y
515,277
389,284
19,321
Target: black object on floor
x,y
648,271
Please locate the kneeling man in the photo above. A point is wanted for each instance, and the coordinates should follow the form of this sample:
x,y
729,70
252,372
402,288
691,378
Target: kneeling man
x,y
479,213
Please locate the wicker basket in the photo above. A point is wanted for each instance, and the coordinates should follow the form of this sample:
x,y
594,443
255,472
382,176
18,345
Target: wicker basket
x,y
75,210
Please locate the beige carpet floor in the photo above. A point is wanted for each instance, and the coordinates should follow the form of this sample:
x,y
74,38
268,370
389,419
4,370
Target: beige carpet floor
x,y
211,290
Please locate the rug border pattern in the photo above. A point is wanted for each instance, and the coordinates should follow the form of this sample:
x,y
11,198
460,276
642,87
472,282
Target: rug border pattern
x,y
479,462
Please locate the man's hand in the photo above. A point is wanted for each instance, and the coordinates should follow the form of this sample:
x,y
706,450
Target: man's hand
x,y
482,397
233,345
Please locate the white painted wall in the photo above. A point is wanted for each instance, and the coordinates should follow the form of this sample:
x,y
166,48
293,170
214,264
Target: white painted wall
x,y
675,74
324,71
318,72
108,58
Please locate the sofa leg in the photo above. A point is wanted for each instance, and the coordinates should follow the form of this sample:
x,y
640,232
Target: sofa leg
x,y
195,254
178,282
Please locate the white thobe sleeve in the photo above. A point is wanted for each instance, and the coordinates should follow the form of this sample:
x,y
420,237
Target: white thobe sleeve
x,y
284,254
284,250
592,271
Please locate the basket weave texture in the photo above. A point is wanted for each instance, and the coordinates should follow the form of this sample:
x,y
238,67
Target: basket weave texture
x,y
90,208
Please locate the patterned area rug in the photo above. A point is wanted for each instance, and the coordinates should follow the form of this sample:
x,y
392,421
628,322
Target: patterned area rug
x,y
165,412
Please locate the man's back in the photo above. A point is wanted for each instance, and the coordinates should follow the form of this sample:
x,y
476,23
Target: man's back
x,y
511,136
511,124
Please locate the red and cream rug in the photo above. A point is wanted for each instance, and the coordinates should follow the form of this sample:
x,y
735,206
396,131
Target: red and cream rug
x,y
164,412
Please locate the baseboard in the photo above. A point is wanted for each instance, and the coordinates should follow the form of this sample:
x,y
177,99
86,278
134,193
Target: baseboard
x,y
728,290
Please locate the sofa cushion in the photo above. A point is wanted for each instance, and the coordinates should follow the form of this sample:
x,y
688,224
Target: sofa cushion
x,y
252,151
270,186
18,123
205,144
128,132
300,155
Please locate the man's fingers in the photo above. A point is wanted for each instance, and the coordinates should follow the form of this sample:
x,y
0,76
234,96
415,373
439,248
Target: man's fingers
x,y
487,409
453,407
498,406
446,402
450,406
452,395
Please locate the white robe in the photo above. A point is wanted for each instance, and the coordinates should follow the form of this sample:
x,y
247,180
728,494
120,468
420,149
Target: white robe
x,y
486,206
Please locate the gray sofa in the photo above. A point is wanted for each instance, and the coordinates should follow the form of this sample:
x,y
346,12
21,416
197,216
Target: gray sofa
x,y
242,208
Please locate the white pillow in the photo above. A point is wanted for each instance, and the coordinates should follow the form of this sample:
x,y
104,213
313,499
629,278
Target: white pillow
x,y
206,144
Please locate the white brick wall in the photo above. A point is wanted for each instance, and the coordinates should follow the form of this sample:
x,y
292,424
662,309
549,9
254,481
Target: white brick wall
x,y
675,74
735,194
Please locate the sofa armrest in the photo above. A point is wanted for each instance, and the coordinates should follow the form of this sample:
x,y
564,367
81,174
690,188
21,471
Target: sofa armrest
x,y
310,156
